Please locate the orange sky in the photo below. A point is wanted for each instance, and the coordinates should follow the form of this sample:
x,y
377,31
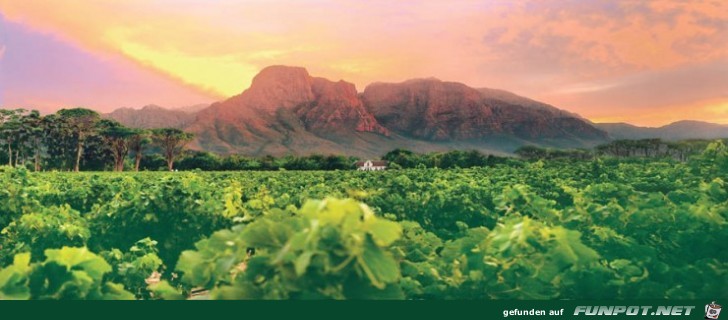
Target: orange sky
x,y
643,62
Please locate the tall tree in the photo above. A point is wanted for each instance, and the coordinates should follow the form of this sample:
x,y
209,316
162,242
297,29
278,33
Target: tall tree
x,y
402,157
117,137
81,123
32,128
58,142
10,128
172,141
137,142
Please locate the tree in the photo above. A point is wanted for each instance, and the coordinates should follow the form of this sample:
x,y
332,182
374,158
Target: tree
x,y
137,142
117,138
199,160
172,141
530,152
80,123
10,128
58,143
32,127
333,162
153,162
713,160
97,154
405,158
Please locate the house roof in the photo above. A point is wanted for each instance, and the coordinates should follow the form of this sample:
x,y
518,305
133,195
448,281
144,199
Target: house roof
x,y
375,163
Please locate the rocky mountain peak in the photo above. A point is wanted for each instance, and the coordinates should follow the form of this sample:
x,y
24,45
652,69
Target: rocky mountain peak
x,y
279,87
286,110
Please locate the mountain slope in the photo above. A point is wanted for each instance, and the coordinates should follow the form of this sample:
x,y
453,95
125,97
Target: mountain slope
x,y
193,108
680,130
287,111
151,116
496,97
441,111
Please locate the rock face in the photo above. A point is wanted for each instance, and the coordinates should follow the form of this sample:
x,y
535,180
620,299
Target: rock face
x,y
277,87
336,108
430,109
287,111
441,111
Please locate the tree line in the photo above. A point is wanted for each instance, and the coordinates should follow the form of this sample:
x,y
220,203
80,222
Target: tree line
x,y
402,158
72,139
642,148
78,138
207,161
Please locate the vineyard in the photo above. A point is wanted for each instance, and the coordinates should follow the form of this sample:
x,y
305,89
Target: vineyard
x,y
591,229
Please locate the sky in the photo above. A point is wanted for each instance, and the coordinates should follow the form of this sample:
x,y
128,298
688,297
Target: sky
x,y
643,62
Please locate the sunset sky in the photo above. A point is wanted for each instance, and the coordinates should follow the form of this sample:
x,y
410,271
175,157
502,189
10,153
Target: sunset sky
x,y
643,62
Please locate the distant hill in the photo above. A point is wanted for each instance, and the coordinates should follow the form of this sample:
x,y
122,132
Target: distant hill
x,y
193,108
151,116
681,130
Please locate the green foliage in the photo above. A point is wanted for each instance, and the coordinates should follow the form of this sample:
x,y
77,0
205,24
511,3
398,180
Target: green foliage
x,y
48,227
401,158
420,262
530,152
607,228
17,195
176,209
14,279
66,273
331,249
134,267
172,141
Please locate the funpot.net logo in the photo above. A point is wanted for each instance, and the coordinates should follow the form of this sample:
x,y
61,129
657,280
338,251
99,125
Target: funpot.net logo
x,y
712,310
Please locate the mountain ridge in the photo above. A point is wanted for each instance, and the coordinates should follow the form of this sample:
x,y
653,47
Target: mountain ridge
x,y
678,130
151,116
288,111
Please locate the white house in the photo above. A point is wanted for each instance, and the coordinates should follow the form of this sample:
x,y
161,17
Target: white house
x,y
370,165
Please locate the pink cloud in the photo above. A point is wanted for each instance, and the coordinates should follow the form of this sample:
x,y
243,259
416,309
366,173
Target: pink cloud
x,y
563,52
42,72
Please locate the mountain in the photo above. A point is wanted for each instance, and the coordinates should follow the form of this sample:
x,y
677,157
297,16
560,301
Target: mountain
x,y
435,110
151,116
193,108
288,111
680,130
501,97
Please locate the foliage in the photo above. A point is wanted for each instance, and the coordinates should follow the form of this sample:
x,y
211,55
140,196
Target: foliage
x,y
48,227
329,249
80,124
135,267
66,273
172,142
607,228
402,158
